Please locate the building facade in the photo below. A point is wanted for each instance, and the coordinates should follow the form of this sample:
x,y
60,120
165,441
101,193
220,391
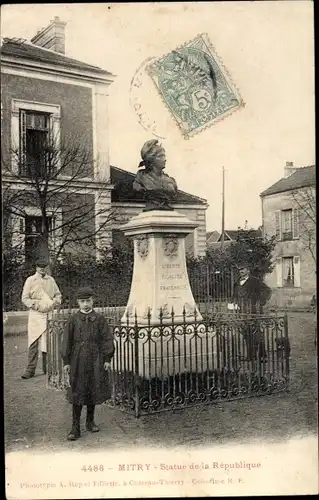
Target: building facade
x,y
289,214
54,132
56,174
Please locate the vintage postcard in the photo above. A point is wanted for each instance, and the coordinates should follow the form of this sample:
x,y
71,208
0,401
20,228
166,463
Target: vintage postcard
x,y
160,302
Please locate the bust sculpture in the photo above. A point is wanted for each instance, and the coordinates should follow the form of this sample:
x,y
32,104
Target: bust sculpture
x,y
159,189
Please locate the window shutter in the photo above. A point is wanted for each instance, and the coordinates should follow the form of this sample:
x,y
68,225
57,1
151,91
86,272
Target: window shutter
x,y
50,127
295,223
53,157
51,132
22,137
51,239
278,224
279,272
297,271
18,232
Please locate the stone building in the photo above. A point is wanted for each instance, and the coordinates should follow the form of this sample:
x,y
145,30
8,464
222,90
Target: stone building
x,y
289,213
54,129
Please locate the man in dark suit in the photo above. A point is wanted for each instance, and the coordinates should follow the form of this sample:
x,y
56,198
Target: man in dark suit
x,y
250,295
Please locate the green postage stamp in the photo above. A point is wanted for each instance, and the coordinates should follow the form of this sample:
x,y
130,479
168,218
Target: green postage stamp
x,y
195,86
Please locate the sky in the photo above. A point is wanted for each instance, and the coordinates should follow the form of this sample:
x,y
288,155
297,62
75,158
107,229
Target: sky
x,y
267,48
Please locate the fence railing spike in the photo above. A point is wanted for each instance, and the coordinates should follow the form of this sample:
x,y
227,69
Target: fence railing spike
x,y
184,314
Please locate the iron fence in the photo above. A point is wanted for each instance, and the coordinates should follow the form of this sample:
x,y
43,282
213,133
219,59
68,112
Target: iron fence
x,y
169,367
211,284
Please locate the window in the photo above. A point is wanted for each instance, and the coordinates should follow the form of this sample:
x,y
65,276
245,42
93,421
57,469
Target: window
x,y
33,230
288,274
288,271
35,129
27,229
287,224
33,126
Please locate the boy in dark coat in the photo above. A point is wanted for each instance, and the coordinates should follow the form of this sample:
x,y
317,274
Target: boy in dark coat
x,y
87,350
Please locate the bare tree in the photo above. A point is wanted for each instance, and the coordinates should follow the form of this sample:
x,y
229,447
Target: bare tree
x,y
66,187
305,200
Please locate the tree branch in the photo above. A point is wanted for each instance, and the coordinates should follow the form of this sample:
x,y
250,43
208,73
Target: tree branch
x,y
58,188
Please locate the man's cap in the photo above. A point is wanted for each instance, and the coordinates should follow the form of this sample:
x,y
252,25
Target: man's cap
x,y
243,263
42,262
84,292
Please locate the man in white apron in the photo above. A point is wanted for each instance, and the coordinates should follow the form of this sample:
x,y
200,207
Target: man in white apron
x,y
40,295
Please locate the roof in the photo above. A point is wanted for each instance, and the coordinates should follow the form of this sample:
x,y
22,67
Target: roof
x,y
302,177
229,236
233,233
212,236
123,190
27,50
215,236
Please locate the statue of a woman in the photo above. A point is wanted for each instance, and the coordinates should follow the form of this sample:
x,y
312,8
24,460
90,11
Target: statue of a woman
x,y
159,189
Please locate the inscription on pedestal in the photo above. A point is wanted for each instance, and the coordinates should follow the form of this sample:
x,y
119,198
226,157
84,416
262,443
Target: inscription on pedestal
x,y
171,266
173,287
172,276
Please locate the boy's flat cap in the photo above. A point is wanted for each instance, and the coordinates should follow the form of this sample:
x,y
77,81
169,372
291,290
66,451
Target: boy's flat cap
x,y
42,262
84,292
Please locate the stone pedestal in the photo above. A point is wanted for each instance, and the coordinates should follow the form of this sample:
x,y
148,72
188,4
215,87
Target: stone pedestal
x,y
160,280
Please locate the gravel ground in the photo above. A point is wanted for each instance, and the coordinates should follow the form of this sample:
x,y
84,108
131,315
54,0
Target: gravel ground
x,y
38,417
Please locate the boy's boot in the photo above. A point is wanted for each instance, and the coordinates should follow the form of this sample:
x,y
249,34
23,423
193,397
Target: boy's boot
x,y
75,432
90,424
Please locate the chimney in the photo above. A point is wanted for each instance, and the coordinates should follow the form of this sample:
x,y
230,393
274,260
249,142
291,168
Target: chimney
x,y
52,37
289,169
